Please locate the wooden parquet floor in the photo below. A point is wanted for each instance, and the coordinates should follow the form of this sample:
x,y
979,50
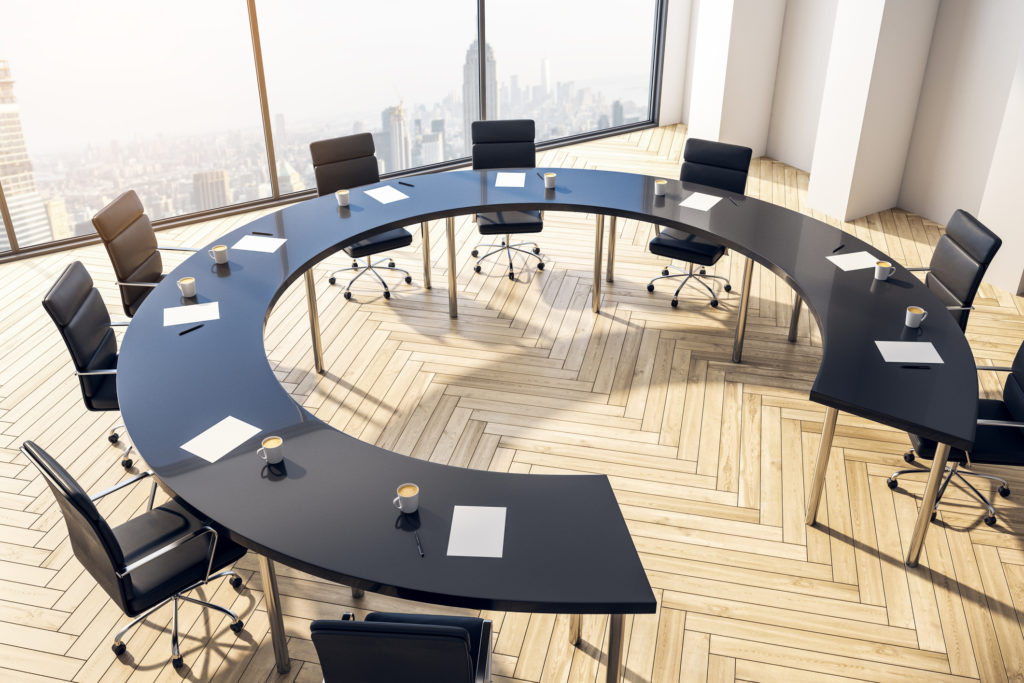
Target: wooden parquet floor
x,y
709,460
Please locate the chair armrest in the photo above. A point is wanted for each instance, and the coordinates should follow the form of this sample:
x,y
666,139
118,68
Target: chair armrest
x,y
93,373
150,285
176,543
917,270
120,324
995,368
1000,423
117,487
959,308
188,249
483,665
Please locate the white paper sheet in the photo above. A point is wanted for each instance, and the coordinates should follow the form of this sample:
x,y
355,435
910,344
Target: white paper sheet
x,y
477,531
908,352
267,245
700,201
197,313
386,194
506,179
221,439
856,260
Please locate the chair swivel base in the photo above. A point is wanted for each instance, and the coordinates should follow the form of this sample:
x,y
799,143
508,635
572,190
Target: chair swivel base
x,y
177,661
369,268
953,470
699,277
508,248
114,438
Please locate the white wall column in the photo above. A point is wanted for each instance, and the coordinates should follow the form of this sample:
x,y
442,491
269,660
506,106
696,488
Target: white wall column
x,y
872,85
735,58
674,66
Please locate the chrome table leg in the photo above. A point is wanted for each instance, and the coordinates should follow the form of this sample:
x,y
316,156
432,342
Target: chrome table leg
x,y
741,320
828,431
931,493
574,629
598,244
314,322
794,317
453,303
273,599
610,275
425,238
615,638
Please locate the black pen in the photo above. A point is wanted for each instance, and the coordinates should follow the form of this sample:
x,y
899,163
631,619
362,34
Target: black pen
x,y
419,545
732,200
838,248
539,175
917,367
406,184
262,233
191,329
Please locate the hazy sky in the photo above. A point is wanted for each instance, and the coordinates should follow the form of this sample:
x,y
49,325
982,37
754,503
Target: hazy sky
x,y
104,69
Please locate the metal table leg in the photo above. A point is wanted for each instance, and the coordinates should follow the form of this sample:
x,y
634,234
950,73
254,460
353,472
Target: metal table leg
x,y
273,599
574,629
931,492
425,238
794,317
741,320
615,639
828,431
612,235
598,244
314,323
453,303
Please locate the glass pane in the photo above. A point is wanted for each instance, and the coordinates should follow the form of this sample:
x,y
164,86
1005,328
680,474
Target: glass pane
x,y
119,94
5,244
573,66
396,69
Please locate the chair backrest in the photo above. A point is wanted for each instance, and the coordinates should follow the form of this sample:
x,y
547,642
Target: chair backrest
x,y
128,235
504,144
716,164
343,163
959,262
77,309
383,651
1013,390
92,540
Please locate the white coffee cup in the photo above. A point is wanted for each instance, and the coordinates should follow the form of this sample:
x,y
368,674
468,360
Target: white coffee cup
x,y
187,285
884,270
915,316
408,498
272,449
549,181
342,196
219,253
659,187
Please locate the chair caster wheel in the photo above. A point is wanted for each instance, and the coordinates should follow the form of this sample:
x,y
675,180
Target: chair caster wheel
x,y
511,275
727,288
348,295
476,269
235,581
908,456
387,294
650,288
892,483
332,280
934,515
540,266
675,303
177,662
503,243
474,253
536,250
408,279
391,264
355,264
991,521
703,272
665,271
714,303
119,648
237,626
126,463
112,437
1004,491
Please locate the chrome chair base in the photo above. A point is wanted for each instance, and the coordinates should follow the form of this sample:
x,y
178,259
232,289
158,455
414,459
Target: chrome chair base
x,y
369,268
953,470
119,646
115,438
699,277
507,247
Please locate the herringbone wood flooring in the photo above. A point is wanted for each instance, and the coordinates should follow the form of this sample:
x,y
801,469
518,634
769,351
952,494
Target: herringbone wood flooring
x,y
709,460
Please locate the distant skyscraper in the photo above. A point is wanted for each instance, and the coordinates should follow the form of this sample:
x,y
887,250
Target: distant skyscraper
x,y
280,132
57,214
617,116
471,89
545,76
432,148
288,179
395,148
31,224
210,190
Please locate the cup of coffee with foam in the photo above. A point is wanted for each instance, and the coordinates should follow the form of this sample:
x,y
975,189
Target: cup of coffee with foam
x,y
884,270
342,197
187,285
219,254
549,181
659,187
272,449
915,316
408,498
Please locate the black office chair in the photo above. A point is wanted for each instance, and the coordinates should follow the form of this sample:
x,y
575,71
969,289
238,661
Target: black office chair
x,y
718,165
127,233
341,164
506,144
389,647
149,560
999,440
77,309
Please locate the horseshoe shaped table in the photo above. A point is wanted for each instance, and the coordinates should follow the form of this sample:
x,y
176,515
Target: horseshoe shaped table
x,y
567,548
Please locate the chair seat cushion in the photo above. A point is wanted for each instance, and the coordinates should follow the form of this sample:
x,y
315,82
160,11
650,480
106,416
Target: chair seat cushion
x,y
176,570
472,625
386,241
105,396
992,445
509,222
684,246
